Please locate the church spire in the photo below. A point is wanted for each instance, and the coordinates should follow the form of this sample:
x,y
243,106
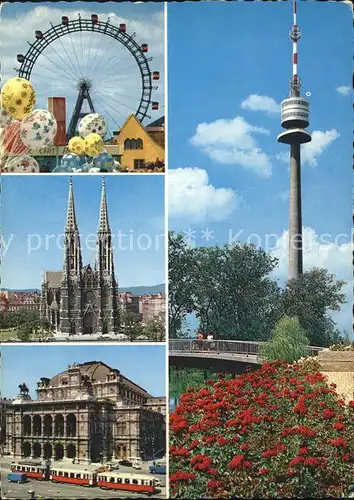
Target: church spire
x,y
103,223
72,249
71,224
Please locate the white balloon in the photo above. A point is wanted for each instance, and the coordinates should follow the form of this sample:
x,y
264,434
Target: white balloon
x,y
24,164
93,123
38,129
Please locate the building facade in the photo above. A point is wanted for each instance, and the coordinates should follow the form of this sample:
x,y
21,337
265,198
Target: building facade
x,y
89,413
19,301
140,147
151,306
80,299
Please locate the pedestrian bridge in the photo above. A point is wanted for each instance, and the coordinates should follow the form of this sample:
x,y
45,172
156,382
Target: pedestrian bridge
x,y
193,352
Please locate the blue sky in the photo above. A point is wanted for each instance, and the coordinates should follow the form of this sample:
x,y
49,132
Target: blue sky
x,y
34,207
144,365
234,62
116,77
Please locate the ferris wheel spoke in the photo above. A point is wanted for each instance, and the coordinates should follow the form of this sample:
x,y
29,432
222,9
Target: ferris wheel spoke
x,y
111,94
94,61
119,102
118,65
72,70
103,62
77,59
107,113
55,72
52,63
88,53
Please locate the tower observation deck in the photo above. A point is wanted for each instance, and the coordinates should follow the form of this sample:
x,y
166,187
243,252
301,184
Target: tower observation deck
x,y
295,117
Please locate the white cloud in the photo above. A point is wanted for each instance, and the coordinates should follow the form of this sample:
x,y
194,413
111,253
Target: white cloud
x,y
232,142
191,197
332,253
312,150
116,78
283,196
256,102
344,89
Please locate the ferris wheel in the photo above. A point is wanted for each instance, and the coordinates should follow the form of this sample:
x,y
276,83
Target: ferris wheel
x,y
97,66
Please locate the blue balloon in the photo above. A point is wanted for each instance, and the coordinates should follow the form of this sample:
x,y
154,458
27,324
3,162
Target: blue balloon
x,y
104,161
70,163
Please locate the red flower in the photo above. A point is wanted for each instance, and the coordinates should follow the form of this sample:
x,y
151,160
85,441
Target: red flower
x,y
328,414
296,461
182,476
213,484
338,426
303,451
312,461
338,443
239,462
263,471
351,404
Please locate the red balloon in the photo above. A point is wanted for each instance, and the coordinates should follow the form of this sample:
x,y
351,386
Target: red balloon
x,y
12,143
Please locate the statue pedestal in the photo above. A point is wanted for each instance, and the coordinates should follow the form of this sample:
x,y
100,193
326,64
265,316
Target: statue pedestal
x,y
338,366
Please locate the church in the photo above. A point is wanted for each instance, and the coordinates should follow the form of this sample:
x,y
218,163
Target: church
x,y
83,300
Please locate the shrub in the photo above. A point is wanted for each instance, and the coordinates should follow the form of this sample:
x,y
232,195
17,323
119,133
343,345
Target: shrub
x,y
288,342
279,431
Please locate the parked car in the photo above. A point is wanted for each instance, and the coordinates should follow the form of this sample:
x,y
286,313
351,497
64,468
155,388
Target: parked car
x,y
125,463
17,477
158,468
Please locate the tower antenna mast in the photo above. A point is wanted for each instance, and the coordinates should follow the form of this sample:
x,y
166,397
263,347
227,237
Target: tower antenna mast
x,y
295,114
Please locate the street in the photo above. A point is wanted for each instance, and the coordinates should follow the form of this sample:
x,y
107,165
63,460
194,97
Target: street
x,y
47,489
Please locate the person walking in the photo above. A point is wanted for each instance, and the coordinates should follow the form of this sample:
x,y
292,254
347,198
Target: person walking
x,y
210,339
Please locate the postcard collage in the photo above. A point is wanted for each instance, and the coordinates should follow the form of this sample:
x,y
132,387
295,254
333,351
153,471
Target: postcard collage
x,y
176,273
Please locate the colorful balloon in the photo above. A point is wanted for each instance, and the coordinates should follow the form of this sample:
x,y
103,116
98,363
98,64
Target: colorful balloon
x,y
77,146
93,124
93,145
11,143
69,163
104,161
38,129
18,97
23,164
5,117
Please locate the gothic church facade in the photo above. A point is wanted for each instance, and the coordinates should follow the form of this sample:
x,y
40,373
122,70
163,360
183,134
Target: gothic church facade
x,y
83,300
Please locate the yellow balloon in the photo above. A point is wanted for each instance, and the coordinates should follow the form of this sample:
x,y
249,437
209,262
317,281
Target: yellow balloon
x,y
18,97
93,144
77,145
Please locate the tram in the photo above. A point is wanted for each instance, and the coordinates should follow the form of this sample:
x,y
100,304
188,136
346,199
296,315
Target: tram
x,y
35,470
108,480
72,476
138,483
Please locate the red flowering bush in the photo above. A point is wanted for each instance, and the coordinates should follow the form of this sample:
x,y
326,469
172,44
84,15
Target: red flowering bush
x,y
280,431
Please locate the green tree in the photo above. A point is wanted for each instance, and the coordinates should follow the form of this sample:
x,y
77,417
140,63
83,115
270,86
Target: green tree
x,y
155,329
181,272
310,298
288,343
234,295
132,325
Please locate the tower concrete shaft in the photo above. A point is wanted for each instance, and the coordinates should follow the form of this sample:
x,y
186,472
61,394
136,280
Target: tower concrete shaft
x,y
295,214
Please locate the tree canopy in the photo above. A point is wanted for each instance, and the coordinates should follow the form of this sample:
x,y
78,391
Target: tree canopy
x,y
232,291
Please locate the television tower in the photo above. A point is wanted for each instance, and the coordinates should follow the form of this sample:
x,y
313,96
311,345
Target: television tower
x,y
295,112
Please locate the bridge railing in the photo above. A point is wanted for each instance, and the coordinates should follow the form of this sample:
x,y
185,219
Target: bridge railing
x,y
241,347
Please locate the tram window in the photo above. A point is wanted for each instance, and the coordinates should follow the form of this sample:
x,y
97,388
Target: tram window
x,y
77,476
127,481
66,474
135,481
119,480
111,479
73,475
150,483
